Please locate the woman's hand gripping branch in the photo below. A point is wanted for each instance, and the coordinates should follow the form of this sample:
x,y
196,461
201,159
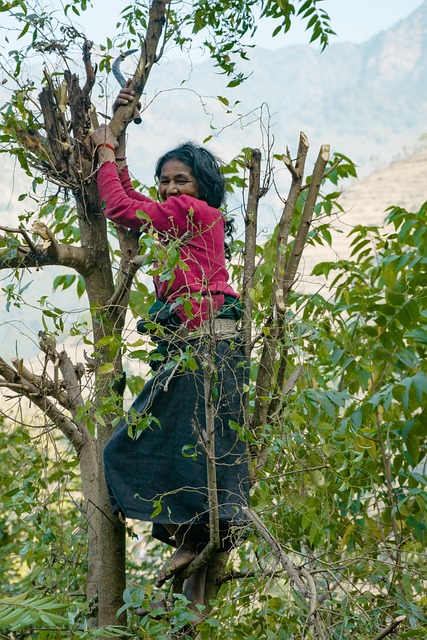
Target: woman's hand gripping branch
x,y
105,143
108,148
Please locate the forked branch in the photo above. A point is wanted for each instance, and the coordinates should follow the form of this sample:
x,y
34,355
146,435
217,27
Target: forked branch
x,y
287,264
16,381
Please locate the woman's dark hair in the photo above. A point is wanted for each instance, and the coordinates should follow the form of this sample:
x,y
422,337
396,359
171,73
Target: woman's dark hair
x,y
205,167
210,181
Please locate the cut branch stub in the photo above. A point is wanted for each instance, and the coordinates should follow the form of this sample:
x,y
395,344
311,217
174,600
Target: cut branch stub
x,y
264,381
285,287
55,125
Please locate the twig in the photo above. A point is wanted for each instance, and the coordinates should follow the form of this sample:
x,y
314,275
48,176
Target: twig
x,y
250,246
241,575
391,627
23,232
294,471
283,558
315,623
332,168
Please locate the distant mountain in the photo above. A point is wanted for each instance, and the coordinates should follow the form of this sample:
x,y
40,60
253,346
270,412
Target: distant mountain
x,y
401,183
367,100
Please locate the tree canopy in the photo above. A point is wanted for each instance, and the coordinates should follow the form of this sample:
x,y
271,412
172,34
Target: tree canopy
x,y
335,543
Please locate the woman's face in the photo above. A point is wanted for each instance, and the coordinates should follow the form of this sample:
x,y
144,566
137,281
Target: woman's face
x,y
176,178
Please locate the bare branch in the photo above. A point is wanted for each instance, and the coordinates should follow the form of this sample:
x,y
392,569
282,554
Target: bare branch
x,y
303,229
49,253
35,395
157,19
292,571
70,373
391,627
42,382
250,246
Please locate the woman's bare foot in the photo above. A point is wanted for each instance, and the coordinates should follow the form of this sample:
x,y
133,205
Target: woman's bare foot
x,y
194,590
178,561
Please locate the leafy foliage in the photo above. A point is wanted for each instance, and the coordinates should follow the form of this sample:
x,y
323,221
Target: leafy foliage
x,y
341,488
23,611
225,27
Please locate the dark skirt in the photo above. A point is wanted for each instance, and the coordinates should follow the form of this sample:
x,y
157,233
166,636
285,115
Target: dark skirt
x,y
161,475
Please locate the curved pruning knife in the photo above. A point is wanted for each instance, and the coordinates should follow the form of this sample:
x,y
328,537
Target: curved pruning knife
x,y
122,80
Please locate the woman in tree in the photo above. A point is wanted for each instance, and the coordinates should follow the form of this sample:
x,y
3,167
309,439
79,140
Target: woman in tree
x,y
155,462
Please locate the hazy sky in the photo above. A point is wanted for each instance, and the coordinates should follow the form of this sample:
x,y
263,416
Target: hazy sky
x,y
353,20
358,20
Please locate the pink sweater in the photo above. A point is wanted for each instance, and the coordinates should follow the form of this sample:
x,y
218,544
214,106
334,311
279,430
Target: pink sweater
x,y
202,249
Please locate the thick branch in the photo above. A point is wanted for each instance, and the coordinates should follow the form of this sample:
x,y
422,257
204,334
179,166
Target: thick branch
x,y
303,229
90,71
37,397
56,128
269,351
39,255
156,21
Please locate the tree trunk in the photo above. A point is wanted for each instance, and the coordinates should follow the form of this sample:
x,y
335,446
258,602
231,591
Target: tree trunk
x,y
111,549
88,470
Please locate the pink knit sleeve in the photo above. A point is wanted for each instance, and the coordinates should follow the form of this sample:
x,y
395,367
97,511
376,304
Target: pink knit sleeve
x,y
128,188
122,204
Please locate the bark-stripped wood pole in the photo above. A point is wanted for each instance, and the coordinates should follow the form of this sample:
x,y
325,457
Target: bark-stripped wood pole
x,y
251,219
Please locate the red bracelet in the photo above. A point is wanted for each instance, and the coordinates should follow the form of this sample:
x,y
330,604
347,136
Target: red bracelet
x,y
122,159
105,144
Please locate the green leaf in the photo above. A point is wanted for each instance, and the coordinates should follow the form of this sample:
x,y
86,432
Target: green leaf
x,y
106,368
23,611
